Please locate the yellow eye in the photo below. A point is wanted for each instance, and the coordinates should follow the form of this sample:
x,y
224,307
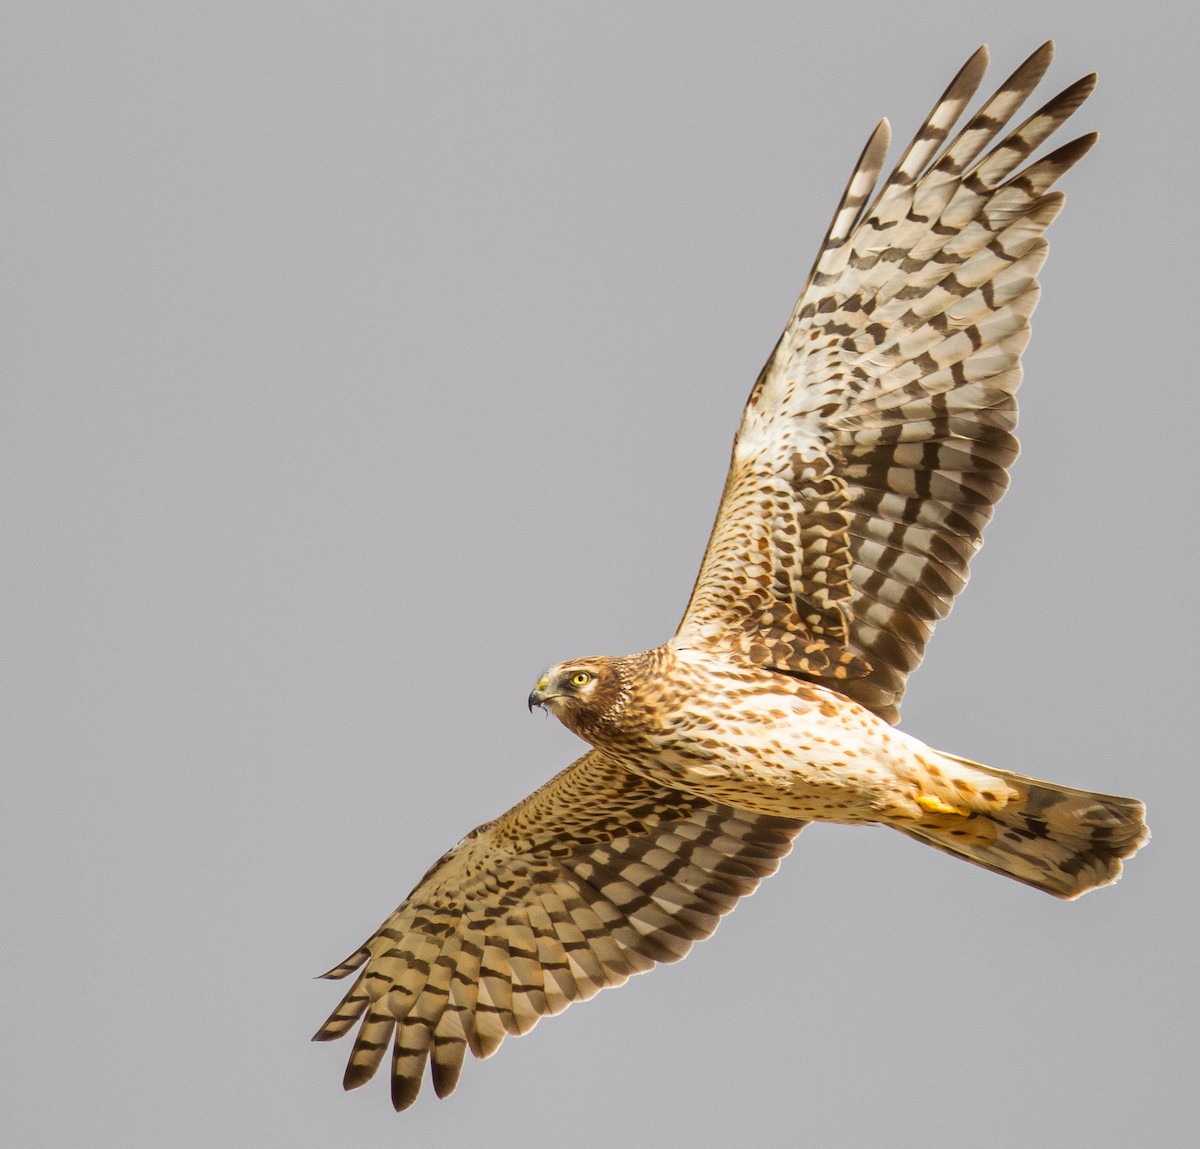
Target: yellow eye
x,y
580,678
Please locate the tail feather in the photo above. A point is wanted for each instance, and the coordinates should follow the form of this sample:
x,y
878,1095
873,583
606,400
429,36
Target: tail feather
x,y
1051,837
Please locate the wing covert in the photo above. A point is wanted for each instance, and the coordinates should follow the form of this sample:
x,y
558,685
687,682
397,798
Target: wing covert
x,y
595,877
878,436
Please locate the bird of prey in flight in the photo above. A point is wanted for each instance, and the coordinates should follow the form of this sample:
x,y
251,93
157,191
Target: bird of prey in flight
x,y
873,447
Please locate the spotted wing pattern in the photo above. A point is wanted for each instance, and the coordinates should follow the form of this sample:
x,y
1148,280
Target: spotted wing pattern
x,y
596,876
877,438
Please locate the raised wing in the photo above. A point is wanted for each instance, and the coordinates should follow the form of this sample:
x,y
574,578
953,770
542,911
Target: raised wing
x,y
596,876
877,438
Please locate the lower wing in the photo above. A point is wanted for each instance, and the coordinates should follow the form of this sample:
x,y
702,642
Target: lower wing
x,y
595,877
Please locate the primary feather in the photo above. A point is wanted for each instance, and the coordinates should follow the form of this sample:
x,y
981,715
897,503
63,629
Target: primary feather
x,y
877,438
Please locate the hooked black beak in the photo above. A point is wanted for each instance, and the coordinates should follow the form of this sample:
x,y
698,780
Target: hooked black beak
x,y
540,694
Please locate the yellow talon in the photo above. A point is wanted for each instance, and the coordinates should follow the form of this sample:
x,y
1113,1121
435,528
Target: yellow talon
x,y
937,806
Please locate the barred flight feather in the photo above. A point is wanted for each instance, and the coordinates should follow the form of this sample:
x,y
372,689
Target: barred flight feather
x,y
554,901
891,391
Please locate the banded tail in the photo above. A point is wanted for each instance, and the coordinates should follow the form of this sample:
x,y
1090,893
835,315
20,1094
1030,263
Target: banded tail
x,y
1051,837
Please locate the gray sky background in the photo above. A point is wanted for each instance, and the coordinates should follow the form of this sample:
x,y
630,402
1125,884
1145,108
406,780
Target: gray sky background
x,y
363,359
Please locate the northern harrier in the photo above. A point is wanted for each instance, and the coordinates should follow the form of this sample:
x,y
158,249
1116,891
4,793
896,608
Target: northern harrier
x,y
871,452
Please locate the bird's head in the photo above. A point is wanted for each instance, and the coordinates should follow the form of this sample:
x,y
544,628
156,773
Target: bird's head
x,y
584,694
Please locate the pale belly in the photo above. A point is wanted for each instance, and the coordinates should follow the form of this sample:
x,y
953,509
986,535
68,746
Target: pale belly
x,y
802,753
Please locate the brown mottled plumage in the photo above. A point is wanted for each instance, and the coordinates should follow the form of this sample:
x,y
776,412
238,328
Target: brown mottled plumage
x,y
873,447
